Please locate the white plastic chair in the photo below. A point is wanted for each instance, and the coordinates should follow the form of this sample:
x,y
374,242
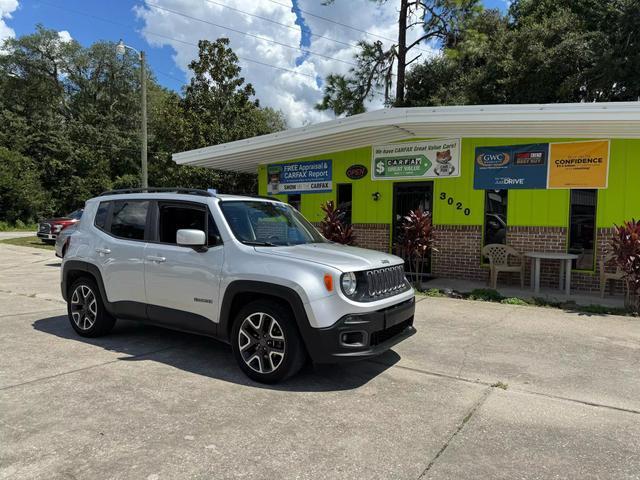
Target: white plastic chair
x,y
498,255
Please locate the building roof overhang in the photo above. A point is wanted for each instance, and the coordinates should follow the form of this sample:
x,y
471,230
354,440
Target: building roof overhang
x,y
561,120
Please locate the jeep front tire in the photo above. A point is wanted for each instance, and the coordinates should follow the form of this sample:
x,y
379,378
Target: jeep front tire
x,y
266,342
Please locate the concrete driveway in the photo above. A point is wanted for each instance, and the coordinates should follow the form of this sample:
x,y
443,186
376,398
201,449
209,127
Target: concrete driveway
x,y
482,391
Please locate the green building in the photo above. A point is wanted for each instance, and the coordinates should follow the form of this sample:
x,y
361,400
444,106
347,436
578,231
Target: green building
x,y
544,178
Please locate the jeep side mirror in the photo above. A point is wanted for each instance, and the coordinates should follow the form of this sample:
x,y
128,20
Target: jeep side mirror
x,y
191,238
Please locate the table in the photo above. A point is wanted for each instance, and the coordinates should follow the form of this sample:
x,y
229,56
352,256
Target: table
x,y
565,268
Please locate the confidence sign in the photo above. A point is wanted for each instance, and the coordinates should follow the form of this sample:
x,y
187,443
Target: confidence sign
x,y
430,159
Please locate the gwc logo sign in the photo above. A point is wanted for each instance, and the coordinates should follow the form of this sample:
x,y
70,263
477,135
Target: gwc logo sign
x,y
493,159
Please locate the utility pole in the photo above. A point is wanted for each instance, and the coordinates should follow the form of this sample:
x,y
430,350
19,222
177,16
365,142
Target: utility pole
x,y
143,153
120,50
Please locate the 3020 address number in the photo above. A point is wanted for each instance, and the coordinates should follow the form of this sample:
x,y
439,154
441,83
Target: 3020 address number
x,y
459,205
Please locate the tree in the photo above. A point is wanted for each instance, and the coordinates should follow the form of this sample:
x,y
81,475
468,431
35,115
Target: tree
x,y
540,52
21,195
70,116
217,107
73,111
440,21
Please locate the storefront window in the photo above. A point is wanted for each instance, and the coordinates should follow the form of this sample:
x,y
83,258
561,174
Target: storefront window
x,y
344,201
294,200
582,227
495,216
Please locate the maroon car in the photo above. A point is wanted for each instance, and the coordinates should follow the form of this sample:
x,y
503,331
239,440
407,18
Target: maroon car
x,y
49,229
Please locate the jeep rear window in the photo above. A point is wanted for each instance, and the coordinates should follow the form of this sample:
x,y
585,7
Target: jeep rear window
x,y
129,218
267,223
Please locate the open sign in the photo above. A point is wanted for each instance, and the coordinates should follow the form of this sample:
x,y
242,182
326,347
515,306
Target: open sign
x,y
356,172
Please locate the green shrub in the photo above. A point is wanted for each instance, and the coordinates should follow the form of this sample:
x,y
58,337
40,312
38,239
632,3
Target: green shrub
x,y
434,292
485,294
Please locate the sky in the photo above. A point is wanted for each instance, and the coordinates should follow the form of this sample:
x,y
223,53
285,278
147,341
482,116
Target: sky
x,y
286,47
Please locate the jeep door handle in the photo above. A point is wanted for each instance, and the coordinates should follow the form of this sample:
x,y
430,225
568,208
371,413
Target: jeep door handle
x,y
156,259
103,251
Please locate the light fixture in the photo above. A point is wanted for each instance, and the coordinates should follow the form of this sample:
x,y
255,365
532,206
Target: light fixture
x,y
121,48
376,196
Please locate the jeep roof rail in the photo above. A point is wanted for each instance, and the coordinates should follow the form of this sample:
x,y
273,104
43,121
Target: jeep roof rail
x,y
187,191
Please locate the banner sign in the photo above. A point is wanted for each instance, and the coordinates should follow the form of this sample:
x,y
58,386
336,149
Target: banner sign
x,y
583,164
431,159
579,164
514,166
299,177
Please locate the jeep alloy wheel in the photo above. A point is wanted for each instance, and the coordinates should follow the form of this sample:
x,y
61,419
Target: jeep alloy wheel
x,y
84,307
261,343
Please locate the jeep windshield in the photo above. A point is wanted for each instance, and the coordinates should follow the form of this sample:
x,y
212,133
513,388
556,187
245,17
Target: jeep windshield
x,y
268,224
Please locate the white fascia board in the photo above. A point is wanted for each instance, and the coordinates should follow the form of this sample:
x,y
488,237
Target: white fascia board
x,y
611,120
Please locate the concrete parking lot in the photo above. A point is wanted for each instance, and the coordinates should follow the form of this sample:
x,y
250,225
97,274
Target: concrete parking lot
x,y
482,391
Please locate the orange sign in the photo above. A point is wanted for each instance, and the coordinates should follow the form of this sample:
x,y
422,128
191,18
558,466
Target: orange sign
x,y
578,164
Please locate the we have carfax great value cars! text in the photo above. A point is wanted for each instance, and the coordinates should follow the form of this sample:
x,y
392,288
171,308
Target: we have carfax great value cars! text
x,y
252,272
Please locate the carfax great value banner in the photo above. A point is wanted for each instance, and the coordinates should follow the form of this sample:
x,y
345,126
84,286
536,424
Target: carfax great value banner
x,y
513,166
431,159
299,177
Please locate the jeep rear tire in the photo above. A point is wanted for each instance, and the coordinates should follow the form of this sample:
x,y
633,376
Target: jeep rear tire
x,y
266,342
86,311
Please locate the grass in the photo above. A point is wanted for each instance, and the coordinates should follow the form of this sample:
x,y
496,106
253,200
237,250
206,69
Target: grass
x,y
33,242
434,292
18,227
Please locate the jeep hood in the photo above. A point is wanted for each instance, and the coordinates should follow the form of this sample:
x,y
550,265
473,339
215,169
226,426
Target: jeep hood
x,y
342,257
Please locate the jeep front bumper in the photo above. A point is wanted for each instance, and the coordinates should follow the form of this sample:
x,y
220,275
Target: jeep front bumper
x,y
362,335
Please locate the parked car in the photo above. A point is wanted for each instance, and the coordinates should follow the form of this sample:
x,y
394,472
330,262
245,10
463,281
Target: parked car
x,y
62,240
252,272
49,229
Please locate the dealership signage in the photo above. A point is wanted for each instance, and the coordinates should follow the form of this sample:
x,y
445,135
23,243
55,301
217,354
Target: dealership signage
x,y
431,159
579,164
515,166
542,165
299,177
356,172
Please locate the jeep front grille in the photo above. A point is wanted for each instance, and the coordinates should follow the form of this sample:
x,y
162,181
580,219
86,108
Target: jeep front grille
x,y
386,281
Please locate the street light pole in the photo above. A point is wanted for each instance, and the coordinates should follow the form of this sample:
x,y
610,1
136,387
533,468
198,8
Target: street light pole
x,y
120,50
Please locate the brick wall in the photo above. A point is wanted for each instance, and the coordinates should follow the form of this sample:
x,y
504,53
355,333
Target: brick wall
x,y
375,236
554,239
456,252
538,239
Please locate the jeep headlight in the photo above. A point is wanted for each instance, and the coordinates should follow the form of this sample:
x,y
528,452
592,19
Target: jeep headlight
x,y
348,283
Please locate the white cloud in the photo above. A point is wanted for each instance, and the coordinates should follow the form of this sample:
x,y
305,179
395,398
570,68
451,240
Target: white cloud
x,y
64,36
295,90
7,7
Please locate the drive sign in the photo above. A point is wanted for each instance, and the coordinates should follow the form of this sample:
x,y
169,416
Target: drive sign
x,y
514,166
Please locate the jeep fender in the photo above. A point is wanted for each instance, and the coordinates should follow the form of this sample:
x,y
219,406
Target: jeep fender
x,y
286,294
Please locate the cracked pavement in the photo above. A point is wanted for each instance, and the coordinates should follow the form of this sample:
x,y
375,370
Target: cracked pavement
x,y
153,404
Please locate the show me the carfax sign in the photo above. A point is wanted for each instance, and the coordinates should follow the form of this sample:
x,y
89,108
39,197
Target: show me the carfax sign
x,y
429,159
299,177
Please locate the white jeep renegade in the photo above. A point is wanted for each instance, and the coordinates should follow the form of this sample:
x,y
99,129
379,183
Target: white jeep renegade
x,y
249,271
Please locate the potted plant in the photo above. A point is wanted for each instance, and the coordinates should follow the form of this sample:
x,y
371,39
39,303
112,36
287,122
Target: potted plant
x,y
626,248
333,226
415,241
